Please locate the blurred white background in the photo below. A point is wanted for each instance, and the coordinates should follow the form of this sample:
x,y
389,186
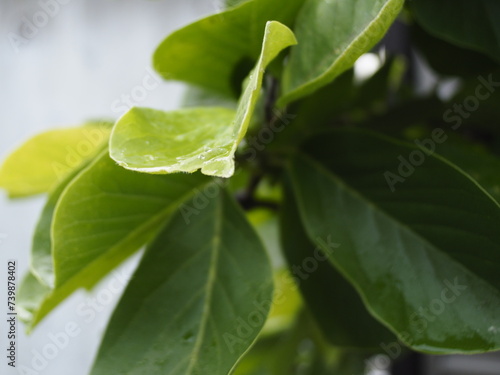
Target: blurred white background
x,y
78,64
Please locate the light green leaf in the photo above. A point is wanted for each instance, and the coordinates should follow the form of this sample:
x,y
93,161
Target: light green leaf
x,y
197,301
44,160
29,297
233,3
334,303
195,97
266,224
41,262
423,252
217,52
468,24
103,216
277,37
186,140
302,350
280,354
287,304
332,34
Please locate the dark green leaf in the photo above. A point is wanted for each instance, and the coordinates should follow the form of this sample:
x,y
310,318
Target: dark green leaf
x,y
474,159
197,301
333,302
469,24
332,34
449,59
419,243
475,105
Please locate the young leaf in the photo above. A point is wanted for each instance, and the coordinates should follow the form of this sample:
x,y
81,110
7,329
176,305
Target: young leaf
x,y
334,303
332,35
47,158
197,301
185,140
420,239
103,216
209,52
152,141
469,24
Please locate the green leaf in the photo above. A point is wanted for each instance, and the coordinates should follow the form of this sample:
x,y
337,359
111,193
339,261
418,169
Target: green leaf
x,y
215,50
195,97
287,303
473,158
266,224
186,140
423,252
280,354
439,53
233,3
459,114
302,350
333,302
468,24
103,216
476,161
197,301
44,160
29,297
41,262
332,34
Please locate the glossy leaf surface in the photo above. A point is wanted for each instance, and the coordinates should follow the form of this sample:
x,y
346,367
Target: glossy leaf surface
x,y
332,34
423,253
196,302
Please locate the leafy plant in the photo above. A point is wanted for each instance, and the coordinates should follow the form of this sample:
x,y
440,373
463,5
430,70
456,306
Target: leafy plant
x,y
385,198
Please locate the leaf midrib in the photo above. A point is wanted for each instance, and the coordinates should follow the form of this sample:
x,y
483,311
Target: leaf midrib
x,y
210,285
